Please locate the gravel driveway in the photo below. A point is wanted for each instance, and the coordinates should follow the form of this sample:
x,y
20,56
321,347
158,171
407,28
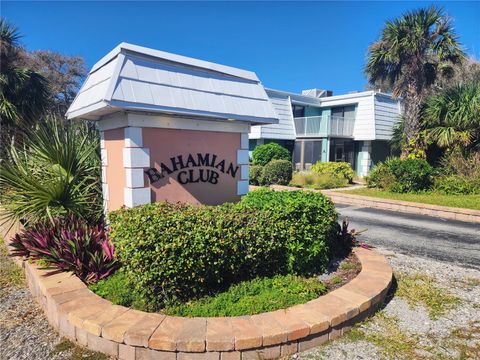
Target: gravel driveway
x,y
24,330
404,329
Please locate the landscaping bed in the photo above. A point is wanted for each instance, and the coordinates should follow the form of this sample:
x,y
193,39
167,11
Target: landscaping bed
x,y
261,254
263,277
245,298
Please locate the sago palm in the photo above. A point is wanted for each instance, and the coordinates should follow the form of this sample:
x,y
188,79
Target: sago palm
x,y
412,52
452,117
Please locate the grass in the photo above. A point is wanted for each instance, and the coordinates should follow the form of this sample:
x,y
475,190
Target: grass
x,y
10,273
458,201
76,352
312,180
117,289
349,266
253,297
394,342
421,289
246,298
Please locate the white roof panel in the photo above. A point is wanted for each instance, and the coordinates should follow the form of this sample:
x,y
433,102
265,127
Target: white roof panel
x,y
132,77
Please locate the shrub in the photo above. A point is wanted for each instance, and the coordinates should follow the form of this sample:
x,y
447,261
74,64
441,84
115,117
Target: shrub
x,y
456,185
277,172
177,252
456,163
411,175
255,174
68,244
381,176
56,173
337,169
305,221
263,154
309,179
401,176
253,297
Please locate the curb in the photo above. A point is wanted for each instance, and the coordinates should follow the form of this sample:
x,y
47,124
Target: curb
x,y
84,317
443,212
408,207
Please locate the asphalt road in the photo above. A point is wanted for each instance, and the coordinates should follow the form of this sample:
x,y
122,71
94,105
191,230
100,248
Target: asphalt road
x,y
445,240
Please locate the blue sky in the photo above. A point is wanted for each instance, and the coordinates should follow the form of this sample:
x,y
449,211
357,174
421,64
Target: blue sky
x,y
290,45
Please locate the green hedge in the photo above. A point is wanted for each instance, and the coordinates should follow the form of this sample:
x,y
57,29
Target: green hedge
x,y
341,170
402,176
256,175
174,252
265,153
277,172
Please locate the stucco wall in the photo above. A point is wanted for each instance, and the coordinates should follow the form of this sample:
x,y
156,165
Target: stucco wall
x,y
165,144
114,141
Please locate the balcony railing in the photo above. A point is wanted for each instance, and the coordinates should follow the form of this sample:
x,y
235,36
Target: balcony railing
x,y
324,126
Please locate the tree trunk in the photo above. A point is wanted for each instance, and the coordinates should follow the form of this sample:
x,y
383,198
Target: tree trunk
x,y
413,103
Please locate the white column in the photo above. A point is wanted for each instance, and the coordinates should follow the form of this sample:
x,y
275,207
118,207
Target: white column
x,y
135,159
243,161
104,158
366,158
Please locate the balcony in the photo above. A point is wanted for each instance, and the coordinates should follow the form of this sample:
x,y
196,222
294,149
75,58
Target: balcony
x,y
324,126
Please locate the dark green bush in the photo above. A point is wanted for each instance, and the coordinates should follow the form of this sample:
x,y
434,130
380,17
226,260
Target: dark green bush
x,y
341,170
263,154
381,175
401,176
255,175
411,175
277,172
174,252
457,185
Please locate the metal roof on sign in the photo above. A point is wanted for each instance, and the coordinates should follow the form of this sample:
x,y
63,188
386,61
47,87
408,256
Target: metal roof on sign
x,y
135,78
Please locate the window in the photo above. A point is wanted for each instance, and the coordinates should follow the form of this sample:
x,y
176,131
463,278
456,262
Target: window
x,y
298,111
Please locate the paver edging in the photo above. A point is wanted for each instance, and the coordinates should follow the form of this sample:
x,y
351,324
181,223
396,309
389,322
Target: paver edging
x,y
84,317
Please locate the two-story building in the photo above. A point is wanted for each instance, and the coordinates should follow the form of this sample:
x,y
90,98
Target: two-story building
x,y
316,126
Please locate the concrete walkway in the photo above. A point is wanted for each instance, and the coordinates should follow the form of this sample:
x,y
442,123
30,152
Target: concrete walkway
x,y
445,240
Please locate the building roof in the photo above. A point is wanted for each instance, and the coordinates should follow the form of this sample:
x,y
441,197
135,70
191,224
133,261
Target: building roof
x,y
324,101
136,78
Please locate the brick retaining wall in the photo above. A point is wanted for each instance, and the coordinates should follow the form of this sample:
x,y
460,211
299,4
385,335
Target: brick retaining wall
x,y
82,316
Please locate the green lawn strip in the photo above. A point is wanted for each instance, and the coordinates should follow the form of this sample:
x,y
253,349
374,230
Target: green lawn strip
x,y
245,298
421,289
10,273
458,201
253,297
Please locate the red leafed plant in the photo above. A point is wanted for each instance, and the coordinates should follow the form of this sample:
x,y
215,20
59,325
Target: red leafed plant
x,y
68,244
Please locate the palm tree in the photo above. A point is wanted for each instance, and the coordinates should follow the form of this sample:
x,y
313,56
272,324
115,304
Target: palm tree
x,y
452,117
55,172
412,52
23,92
